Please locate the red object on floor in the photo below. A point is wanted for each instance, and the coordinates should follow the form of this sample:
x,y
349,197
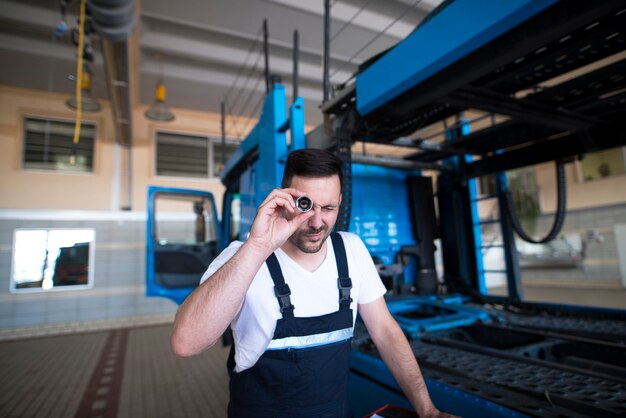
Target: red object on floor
x,y
392,411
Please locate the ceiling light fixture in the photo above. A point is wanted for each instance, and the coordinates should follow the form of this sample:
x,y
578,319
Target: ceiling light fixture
x,y
88,103
159,111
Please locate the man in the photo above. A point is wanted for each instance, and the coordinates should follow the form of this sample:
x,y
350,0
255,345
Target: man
x,y
287,294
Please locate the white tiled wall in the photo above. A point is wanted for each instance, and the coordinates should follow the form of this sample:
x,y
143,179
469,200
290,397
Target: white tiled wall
x,y
119,282
602,261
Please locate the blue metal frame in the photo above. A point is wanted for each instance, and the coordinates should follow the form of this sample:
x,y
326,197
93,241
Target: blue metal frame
x,y
452,315
152,288
269,138
227,201
459,29
369,375
511,257
480,265
473,227
296,125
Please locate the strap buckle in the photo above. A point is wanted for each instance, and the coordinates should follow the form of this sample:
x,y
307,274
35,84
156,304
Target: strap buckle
x,y
283,292
288,309
344,284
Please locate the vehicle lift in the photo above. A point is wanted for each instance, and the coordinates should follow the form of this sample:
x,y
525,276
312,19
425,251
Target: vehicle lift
x,y
481,355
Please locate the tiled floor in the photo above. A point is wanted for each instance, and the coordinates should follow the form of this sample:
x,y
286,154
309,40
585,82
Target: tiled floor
x,y
109,374
159,384
47,377
132,373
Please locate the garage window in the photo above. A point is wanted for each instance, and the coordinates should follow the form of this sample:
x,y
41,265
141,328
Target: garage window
x,y
226,149
48,145
603,164
182,155
196,156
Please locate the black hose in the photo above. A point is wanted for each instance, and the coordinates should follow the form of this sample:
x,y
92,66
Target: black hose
x,y
559,216
344,144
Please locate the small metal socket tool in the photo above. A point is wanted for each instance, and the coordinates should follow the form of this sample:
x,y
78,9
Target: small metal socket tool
x,y
304,204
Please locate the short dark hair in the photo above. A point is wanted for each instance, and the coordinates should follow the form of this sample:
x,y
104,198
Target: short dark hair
x,y
311,162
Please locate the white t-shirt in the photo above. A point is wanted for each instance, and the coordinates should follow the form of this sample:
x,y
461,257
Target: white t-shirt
x,y
312,294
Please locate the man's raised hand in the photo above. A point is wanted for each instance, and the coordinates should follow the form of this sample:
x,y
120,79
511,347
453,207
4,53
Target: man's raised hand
x,y
276,220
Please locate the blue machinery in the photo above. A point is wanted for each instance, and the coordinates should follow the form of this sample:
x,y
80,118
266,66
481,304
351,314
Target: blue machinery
x,y
483,356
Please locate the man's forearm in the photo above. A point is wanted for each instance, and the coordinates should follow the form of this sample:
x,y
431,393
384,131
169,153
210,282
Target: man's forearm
x,y
399,358
209,310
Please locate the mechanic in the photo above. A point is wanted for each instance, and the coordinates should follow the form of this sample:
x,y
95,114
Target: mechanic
x,y
290,294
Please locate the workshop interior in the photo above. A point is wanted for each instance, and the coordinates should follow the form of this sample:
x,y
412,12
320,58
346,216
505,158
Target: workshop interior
x,y
483,156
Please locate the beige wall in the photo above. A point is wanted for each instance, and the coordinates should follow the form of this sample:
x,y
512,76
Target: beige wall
x,y
30,189
33,189
144,150
580,194
102,189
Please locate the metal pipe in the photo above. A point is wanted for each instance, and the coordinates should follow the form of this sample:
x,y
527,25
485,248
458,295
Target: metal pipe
x,y
326,58
223,122
267,56
398,163
296,57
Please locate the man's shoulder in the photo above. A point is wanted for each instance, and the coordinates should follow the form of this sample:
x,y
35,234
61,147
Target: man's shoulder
x,y
352,241
349,236
221,259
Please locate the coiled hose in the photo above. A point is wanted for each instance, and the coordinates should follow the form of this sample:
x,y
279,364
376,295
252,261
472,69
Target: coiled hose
x,y
559,217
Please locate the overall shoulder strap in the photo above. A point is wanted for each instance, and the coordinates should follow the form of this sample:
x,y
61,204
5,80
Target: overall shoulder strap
x,y
281,289
344,283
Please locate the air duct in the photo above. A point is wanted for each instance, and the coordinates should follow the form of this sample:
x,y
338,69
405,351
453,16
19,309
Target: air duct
x,y
114,21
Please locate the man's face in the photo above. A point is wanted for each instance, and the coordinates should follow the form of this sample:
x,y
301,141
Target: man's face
x,y
326,195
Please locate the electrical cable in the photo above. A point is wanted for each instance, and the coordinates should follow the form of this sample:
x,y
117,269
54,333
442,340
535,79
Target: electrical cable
x,y
232,123
559,216
239,73
245,61
415,3
254,111
240,92
249,77
255,108
354,16
244,108
79,82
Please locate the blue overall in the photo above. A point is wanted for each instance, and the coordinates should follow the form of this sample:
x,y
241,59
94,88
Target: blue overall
x,y
306,382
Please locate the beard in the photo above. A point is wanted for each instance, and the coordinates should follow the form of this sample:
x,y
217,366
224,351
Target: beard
x,y
302,239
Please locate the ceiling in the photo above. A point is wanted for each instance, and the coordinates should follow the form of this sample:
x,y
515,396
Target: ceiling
x,y
209,51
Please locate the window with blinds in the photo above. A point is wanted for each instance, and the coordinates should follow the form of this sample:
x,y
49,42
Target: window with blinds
x,y
48,145
182,155
221,154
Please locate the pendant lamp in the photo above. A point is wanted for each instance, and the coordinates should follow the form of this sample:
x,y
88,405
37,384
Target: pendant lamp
x,y
87,102
159,111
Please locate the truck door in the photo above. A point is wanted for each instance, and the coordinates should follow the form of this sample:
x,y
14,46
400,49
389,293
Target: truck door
x,y
183,237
